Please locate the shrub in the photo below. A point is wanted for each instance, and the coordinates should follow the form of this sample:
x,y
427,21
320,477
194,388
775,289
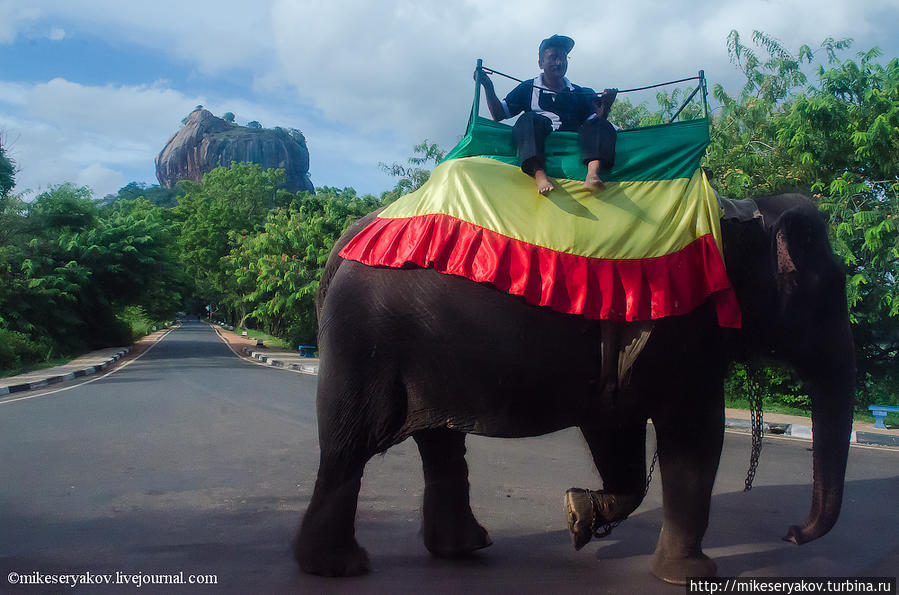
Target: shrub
x,y
18,350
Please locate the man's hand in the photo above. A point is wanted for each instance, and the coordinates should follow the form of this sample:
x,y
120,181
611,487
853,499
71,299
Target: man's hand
x,y
484,79
602,104
493,103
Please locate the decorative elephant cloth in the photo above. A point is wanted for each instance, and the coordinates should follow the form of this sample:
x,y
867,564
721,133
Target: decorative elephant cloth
x,y
646,247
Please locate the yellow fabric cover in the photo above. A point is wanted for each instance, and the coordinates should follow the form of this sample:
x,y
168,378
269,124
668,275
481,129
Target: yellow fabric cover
x,y
627,220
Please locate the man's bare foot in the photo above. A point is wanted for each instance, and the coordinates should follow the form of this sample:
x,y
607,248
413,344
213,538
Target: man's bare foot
x,y
594,183
544,185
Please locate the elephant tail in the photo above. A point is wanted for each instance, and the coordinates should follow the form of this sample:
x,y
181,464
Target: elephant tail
x,y
334,260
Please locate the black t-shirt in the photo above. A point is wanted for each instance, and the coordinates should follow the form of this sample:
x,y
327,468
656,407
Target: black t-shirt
x,y
567,109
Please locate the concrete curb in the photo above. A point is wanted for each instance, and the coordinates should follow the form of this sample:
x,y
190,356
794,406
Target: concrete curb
x,y
87,371
805,432
278,361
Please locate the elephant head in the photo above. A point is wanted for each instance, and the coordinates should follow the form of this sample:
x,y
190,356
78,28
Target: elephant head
x,y
792,292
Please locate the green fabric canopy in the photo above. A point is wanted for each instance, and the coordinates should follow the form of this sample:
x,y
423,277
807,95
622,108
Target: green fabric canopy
x,y
662,152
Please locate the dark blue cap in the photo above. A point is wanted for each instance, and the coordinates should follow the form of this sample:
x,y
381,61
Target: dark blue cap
x,y
561,41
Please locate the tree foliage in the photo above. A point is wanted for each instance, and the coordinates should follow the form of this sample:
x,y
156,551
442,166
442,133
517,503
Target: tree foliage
x,y
278,269
69,267
838,140
157,195
255,253
415,172
809,120
7,172
229,201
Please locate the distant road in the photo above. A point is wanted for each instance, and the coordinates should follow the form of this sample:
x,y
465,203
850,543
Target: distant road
x,y
192,460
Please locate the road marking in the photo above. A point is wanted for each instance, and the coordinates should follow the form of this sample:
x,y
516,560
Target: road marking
x,y
113,371
253,361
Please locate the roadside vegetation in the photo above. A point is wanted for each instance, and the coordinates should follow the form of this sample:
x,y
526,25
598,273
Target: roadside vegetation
x,y
78,273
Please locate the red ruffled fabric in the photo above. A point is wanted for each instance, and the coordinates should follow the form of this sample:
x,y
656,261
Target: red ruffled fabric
x,y
597,288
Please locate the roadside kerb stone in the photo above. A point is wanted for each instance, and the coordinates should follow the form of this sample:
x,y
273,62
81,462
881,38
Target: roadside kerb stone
x,y
54,377
879,439
286,360
805,432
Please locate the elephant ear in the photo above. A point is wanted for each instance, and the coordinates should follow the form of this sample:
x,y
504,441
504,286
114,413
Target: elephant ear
x,y
787,271
803,260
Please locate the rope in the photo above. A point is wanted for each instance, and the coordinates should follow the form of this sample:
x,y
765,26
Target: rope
x,y
692,78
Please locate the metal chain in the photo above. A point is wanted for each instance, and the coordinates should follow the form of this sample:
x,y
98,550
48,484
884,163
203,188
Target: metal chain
x,y
606,528
758,432
758,428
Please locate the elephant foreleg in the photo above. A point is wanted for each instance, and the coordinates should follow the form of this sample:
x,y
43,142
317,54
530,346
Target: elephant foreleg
x,y
619,452
690,441
448,525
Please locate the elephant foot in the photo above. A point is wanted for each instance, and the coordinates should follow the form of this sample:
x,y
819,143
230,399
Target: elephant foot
x,y
588,510
448,539
348,561
677,570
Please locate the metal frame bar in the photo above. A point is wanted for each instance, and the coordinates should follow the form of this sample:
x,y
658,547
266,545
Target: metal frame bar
x,y
701,86
705,99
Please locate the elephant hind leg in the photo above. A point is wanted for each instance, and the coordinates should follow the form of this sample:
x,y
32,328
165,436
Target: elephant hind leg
x,y
357,418
326,542
449,527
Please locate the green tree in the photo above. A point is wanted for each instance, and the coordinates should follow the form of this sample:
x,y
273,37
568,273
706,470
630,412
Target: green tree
x,y
157,195
7,172
230,203
415,172
69,268
837,139
278,269
625,114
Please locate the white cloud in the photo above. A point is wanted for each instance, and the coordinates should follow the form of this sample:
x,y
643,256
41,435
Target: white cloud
x,y
97,175
56,34
135,112
367,80
14,16
216,36
65,131
13,93
406,66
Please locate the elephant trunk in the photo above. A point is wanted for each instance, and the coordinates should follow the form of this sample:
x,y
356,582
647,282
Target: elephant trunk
x,y
832,384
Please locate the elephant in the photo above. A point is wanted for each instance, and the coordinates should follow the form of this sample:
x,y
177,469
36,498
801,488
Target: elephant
x,y
415,352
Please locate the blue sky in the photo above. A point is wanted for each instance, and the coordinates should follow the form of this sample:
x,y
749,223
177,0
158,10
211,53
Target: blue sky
x,y
91,91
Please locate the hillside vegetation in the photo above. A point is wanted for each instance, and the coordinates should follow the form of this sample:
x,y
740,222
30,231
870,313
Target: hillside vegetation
x,y
74,270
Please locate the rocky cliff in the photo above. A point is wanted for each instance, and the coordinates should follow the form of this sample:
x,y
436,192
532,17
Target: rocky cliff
x,y
206,142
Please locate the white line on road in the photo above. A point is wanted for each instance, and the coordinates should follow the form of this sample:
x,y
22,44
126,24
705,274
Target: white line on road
x,y
253,361
113,371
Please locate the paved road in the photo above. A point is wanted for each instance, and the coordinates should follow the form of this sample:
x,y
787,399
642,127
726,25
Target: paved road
x,y
192,460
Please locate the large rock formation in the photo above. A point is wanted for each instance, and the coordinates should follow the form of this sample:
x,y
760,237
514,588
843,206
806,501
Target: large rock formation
x,y
206,142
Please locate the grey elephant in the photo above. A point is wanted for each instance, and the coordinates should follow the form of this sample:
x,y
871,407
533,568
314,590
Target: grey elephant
x,y
413,352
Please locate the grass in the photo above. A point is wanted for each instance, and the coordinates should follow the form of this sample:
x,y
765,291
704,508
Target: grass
x,y
268,340
34,366
892,419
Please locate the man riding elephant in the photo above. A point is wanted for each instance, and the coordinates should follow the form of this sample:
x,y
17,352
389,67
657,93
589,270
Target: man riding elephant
x,y
551,102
